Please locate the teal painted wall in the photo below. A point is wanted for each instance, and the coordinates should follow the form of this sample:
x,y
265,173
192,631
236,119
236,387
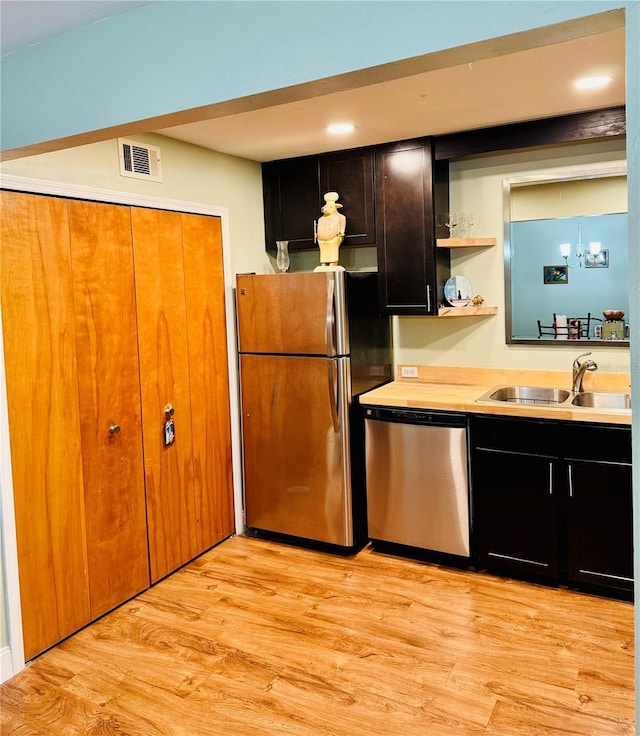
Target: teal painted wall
x,y
177,55
536,243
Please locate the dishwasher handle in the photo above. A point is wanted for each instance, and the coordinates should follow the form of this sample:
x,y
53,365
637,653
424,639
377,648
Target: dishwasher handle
x,y
416,416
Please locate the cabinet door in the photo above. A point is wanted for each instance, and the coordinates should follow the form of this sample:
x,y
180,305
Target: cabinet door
x,y
517,512
600,524
412,271
109,392
44,420
164,377
208,379
350,173
292,201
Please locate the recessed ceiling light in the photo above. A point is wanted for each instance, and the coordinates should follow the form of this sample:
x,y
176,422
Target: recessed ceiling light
x,y
592,82
341,128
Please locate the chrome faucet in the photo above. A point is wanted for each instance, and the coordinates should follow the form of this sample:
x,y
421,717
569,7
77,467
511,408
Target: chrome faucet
x,y
579,371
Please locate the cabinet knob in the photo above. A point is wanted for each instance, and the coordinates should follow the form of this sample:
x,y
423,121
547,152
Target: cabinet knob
x,y
114,429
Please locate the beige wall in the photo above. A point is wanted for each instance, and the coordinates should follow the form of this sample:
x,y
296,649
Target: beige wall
x,y
573,198
190,173
195,174
476,186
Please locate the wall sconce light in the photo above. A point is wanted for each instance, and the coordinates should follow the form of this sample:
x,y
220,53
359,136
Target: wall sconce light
x,y
565,250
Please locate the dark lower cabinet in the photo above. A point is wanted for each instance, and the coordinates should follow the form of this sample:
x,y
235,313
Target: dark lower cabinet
x,y
553,501
514,467
518,516
599,507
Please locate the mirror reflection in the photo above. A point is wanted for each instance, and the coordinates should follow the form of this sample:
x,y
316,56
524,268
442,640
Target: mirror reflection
x,y
566,258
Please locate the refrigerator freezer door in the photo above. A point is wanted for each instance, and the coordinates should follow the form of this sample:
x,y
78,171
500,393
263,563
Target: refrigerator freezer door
x,y
296,460
292,313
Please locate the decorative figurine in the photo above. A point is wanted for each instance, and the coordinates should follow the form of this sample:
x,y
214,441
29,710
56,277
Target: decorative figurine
x,y
329,233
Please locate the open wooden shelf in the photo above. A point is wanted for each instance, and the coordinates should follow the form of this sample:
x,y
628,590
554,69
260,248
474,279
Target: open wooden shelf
x,y
465,242
469,311
466,311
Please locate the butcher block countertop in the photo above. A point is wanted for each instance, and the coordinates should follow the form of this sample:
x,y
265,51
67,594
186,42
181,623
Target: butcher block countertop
x,y
456,389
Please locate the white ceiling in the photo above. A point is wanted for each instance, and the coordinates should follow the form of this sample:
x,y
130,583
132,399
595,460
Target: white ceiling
x,y
27,22
510,87
521,86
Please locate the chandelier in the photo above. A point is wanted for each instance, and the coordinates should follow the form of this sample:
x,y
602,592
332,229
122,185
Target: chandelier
x,y
565,250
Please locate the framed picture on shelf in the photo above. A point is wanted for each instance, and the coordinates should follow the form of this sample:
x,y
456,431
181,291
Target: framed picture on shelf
x,y
555,274
600,260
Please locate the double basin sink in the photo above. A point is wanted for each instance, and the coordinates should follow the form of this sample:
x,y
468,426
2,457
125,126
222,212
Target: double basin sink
x,y
537,396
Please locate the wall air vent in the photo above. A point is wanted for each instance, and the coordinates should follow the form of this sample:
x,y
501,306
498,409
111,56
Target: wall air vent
x,y
139,160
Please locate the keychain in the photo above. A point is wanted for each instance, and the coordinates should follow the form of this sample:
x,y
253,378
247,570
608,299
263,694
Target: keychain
x,y
169,427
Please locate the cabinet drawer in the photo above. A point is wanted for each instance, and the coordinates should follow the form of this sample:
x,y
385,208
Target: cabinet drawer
x,y
530,436
607,443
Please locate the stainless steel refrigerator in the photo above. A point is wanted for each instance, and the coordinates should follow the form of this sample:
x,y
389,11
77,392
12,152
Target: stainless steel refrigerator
x,y
309,344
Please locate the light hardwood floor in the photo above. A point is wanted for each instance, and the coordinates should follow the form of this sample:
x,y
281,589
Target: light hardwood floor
x,y
260,638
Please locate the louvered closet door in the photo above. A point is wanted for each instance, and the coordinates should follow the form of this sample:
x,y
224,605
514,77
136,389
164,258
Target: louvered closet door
x,y
44,423
110,413
209,378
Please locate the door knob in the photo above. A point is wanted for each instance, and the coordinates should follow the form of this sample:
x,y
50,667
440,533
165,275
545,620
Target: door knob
x,y
114,429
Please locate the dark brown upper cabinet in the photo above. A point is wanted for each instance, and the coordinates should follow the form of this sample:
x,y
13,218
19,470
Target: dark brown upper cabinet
x,y
351,174
293,192
412,198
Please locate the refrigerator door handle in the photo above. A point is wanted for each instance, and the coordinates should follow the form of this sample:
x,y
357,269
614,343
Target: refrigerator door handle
x,y
344,397
333,405
331,322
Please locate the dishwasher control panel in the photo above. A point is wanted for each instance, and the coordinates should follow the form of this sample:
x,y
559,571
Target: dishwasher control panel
x,y
416,416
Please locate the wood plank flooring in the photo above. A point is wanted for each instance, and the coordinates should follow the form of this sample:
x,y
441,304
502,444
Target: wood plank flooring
x,y
260,638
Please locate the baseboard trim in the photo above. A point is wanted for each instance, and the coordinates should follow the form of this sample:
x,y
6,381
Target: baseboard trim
x,y
6,664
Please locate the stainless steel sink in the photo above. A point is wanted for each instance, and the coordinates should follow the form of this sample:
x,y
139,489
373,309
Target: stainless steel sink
x,y
535,395
602,400
539,396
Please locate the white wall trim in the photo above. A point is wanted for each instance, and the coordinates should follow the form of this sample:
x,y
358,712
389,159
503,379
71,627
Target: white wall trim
x,y
6,664
13,655
43,186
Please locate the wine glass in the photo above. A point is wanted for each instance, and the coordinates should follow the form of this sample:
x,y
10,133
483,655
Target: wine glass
x,y
451,222
282,256
465,219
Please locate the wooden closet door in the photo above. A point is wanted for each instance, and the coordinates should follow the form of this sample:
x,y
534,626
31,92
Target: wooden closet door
x,y
164,375
110,413
44,423
209,379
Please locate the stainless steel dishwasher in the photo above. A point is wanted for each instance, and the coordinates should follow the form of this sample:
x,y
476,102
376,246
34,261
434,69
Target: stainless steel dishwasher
x,y
417,479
